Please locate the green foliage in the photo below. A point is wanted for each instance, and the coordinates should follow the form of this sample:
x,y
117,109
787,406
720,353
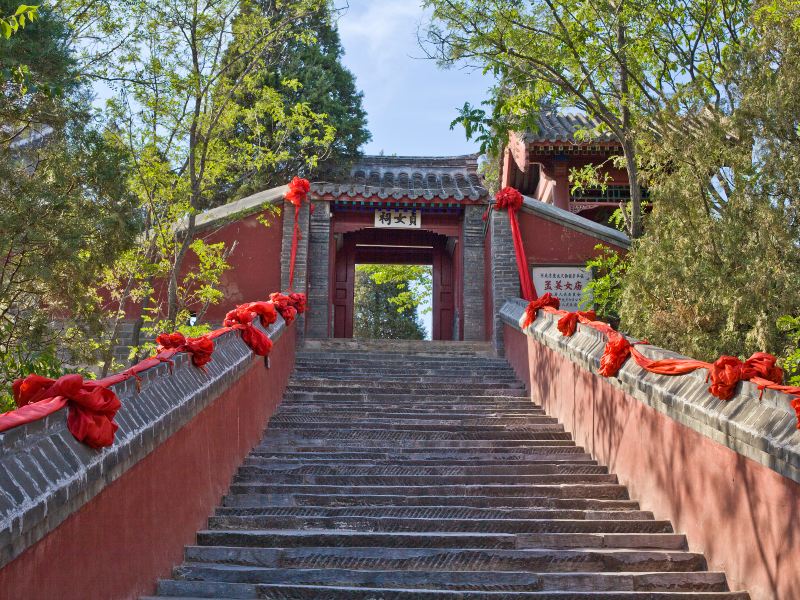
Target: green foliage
x,y
790,360
386,301
13,23
604,291
619,62
319,123
721,260
414,284
66,211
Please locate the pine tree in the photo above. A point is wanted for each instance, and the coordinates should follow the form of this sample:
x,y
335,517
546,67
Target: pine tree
x,y
310,75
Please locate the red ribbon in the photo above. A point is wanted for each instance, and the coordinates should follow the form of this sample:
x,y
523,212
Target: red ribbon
x,y
241,318
288,306
531,311
510,199
266,312
92,407
298,192
201,348
568,323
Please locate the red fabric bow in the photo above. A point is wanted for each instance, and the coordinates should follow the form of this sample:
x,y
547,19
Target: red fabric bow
x,y
298,190
616,352
728,371
284,305
533,307
201,348
568,324
509,198
92,407
242,319
266,312
299,302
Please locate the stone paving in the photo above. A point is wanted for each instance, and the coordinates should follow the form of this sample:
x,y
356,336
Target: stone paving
x,y
398,470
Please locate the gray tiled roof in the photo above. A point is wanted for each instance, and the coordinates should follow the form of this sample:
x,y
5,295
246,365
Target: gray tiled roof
x,y
412,177
559,127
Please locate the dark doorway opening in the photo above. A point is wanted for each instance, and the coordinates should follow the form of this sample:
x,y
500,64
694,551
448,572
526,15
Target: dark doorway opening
x,y
377,246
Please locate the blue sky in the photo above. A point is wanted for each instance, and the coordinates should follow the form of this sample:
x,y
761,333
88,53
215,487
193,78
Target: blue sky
x,y
410,101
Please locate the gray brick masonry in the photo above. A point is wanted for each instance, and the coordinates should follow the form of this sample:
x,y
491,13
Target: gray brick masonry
x,y
301,260
474,277
318,273
762,430
46,475
504,275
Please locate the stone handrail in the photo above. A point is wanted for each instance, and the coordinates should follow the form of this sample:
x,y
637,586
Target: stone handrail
x,y
760,427
46,475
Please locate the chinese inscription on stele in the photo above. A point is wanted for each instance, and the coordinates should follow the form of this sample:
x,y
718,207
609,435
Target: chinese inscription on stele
x,y
404,219
565,283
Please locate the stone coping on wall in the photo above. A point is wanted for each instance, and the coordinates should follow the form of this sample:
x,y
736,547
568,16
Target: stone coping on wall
x,y
762,428
575,222
46,474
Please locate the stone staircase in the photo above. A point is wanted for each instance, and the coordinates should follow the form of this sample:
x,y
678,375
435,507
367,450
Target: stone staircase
x,y
398,470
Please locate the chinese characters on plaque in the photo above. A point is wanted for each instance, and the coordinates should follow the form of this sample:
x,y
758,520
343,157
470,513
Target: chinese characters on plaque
x,y
565,283
404,219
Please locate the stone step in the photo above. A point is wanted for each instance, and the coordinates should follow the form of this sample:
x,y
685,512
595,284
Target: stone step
x,y
250,471
413,446
410,379
377,459
396,500
419,471
298,592
385,524
608,491
403,454
334,421
247,478
436,512
550,559
371,435
519,581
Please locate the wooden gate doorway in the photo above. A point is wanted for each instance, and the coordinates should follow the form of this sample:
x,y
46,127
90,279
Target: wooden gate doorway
x,y
379,246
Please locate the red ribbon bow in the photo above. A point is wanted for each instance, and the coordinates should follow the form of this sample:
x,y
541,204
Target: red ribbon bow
x,y
266,312
568,324
533,307
92,407
284,306
299,302
616,352
241,318
728,371
201,348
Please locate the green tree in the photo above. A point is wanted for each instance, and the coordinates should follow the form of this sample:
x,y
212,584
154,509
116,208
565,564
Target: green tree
x,y
177,78
309,73
721,260
386,302
620,61
66,212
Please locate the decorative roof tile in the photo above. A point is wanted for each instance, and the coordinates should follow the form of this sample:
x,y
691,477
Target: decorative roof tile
x,y
409,177
560,127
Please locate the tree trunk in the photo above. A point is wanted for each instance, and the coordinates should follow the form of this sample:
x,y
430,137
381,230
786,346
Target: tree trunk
x,y
635,225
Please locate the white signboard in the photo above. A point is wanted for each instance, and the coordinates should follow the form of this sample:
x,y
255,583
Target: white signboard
x,y
565,283
402,219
